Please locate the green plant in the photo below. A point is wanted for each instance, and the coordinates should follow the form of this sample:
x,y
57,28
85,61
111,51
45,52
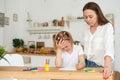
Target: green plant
x,y
3,53
32,46
55,22
38,46
18,43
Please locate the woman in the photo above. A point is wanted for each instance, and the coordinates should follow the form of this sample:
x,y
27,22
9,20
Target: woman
x,y
67,54
99,39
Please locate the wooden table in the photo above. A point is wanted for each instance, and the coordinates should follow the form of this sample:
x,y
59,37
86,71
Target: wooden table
x,y
54,73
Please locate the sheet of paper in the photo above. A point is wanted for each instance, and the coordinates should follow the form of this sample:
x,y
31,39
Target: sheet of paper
x,y
69,68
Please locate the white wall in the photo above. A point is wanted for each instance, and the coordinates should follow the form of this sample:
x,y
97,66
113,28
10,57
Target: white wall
x,y
117,42
47,10
1,28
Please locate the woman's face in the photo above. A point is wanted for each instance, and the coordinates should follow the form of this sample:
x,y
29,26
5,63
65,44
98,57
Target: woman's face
x,y
90,17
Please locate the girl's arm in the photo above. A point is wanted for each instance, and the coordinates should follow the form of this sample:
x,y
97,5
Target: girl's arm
x,y
60,45
58,60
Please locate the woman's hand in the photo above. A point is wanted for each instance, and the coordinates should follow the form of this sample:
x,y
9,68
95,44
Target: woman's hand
x,y
107,72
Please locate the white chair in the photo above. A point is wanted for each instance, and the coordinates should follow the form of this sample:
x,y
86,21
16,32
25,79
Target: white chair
x,y
14,60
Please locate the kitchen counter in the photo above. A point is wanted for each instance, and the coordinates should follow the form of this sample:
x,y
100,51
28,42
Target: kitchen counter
x,y
54,73
31,59
35,54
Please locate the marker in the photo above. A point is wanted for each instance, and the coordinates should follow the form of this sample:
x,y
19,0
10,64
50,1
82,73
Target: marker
x,y
30,69
89,70
41,68
35,68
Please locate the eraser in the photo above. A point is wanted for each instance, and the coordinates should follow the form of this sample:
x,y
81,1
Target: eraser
x,y
41,68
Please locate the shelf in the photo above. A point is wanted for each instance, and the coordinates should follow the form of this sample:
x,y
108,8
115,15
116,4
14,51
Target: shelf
x,y
75,19
44,30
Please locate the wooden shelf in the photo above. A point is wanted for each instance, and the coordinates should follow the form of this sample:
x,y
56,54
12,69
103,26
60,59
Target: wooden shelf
x,y
44,30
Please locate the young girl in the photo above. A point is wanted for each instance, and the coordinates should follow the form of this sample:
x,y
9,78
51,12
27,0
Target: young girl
x,y
68,54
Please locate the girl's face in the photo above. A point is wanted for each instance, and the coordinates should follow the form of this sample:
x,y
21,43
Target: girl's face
x,y
67,46
90,17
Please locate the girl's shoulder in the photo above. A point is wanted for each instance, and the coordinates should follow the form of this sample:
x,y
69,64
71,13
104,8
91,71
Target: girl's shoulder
x,y
77,46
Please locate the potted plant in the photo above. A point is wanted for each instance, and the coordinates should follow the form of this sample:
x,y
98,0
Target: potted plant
x,y
55,22
3,53
38,47
18,44
31,48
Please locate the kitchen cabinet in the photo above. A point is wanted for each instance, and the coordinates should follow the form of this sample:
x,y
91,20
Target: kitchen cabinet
x,y
13,60
33,60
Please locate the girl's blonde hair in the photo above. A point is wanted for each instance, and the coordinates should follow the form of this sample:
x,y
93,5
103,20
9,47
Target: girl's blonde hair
x,y
63,35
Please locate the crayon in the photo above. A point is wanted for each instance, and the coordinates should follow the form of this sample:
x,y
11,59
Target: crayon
x,y
30,69
34,68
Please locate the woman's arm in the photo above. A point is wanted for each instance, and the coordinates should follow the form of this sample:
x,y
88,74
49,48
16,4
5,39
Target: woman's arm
x,y
107,67
109,51
108,61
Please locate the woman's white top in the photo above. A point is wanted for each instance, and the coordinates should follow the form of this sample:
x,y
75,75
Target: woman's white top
x,y
99,44
71,59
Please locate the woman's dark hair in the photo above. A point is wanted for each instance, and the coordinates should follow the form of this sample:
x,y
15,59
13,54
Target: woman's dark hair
x,y
95,7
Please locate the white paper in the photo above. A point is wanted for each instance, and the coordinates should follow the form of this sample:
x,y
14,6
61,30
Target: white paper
x,y
68,68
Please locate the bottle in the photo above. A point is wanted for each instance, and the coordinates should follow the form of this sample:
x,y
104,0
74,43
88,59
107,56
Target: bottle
x,y
47,67
62,22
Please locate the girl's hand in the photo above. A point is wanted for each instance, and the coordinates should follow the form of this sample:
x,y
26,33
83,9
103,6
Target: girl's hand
x,y
81,63
80,66
61,44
